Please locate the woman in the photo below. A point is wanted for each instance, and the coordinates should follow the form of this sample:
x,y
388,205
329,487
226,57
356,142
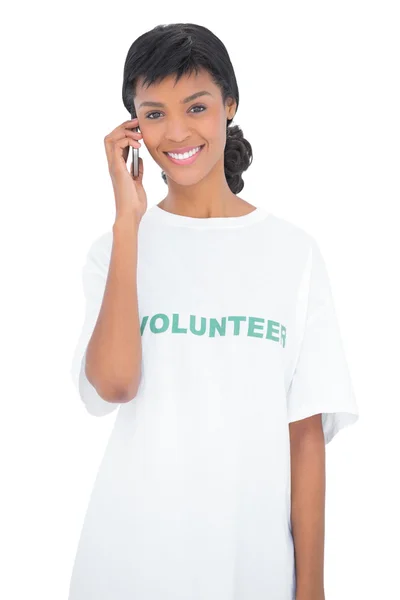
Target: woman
x,y
210,324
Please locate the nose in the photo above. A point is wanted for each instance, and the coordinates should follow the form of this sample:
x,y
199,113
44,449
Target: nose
x,y
177,132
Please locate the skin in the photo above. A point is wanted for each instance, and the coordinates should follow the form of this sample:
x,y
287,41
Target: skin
x,y
200,189
307,453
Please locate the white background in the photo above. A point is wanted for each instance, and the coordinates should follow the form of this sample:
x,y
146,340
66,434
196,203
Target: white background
x,y
319,103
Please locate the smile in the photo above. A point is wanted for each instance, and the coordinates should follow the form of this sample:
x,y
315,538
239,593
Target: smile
x,y
186,159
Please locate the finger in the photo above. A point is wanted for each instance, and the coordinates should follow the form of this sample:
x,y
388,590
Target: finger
x,y
121,146
135,143
121,133
124,142
135,134
116,137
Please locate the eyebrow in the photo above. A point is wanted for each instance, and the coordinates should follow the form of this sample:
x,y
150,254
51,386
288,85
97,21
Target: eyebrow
x,y
184,101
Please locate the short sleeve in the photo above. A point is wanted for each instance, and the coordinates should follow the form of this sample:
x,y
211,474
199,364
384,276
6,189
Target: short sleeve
x,y
321,381
94,277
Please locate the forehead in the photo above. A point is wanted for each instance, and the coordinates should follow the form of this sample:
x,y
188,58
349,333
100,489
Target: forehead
x,y
170,90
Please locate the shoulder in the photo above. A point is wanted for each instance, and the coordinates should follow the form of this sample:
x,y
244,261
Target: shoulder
x,y
292,236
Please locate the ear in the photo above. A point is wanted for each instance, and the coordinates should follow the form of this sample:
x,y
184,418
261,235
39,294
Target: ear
x,y
231,106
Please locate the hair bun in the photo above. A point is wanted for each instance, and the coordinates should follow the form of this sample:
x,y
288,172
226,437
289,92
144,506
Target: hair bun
x,y
238,157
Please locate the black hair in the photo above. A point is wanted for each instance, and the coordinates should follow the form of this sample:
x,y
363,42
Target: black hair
x,y
181,48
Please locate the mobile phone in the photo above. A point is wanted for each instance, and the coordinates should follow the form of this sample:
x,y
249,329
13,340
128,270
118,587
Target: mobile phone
x,y
135,155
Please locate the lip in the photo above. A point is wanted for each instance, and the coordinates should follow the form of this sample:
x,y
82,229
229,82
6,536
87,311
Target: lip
x,y
187,161
185,149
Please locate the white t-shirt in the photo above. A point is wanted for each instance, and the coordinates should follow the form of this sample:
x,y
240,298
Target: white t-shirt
x,y
239,337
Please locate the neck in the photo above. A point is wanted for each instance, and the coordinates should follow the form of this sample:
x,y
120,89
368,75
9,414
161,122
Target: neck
x,y
209,197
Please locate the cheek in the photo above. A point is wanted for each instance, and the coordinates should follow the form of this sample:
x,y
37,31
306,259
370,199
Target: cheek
x,y
146,138
151,142
215,132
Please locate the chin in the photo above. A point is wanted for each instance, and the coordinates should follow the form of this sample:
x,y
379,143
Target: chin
x,y
185,181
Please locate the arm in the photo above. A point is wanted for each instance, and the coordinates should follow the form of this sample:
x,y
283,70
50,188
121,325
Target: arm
x,y
114,352
307,451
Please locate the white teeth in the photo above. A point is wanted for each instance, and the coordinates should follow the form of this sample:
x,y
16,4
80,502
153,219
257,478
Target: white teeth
x,y
185,155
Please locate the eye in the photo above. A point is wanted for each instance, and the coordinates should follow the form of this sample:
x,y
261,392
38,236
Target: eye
x,y
158,113
199,106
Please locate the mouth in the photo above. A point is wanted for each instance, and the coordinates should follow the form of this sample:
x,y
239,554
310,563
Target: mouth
x,y
185,161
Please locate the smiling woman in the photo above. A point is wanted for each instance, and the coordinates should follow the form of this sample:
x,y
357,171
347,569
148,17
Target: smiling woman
x,y
194,57
221,333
